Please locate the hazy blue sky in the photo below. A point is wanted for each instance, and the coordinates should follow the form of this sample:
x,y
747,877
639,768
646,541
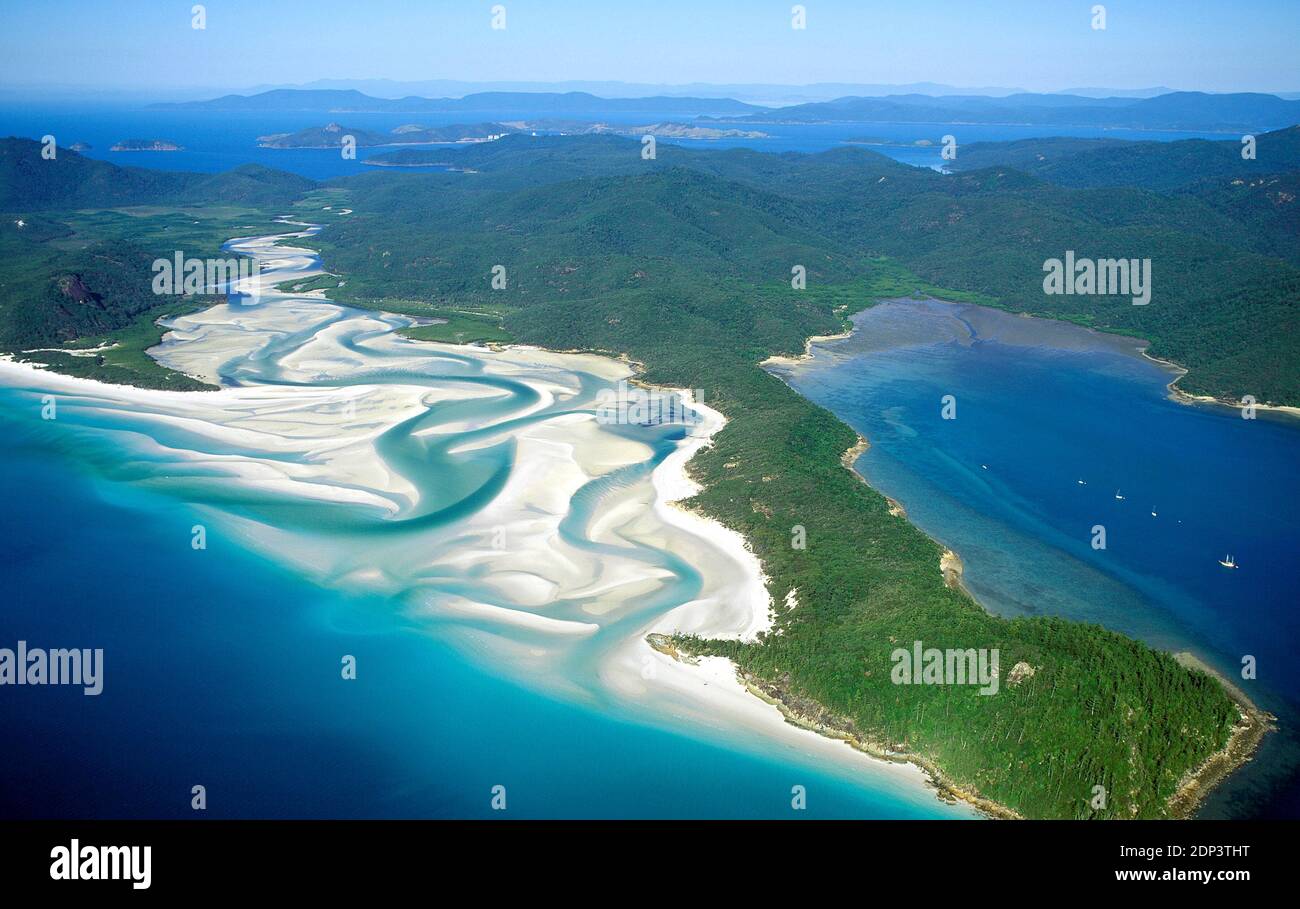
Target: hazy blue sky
x,y
1034,44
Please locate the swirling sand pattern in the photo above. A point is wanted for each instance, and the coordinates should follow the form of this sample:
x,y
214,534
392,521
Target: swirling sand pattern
x,y
474,488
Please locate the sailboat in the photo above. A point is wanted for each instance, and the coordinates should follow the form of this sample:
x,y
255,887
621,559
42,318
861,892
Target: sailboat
x,y
1228,562
1118,496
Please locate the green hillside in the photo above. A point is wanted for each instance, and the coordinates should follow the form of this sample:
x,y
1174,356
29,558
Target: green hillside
x,y
1162,166
29,183
688,273
78,239
1223,256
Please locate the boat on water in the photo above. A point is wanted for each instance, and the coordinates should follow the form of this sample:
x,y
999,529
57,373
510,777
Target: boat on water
x,y
1118,496
1228,562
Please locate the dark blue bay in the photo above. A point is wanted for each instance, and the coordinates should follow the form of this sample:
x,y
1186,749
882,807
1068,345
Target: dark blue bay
x,y
1041,406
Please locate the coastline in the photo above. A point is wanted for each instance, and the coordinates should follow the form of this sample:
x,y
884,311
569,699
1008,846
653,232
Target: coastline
x,y
813,718
1247,735
807,715
733,601
715,680
1140,346
673,486
786,360
710,692
1186,397
1195,785
715,689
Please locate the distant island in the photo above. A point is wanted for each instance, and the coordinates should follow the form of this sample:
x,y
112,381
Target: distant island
x,y
1174,111
416,157
80,146
410,157
332,136
663,130
156,145
894,143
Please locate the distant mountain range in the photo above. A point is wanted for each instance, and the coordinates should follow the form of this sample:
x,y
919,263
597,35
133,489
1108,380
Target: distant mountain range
x,y
523,103
1089,92
1176,111
767,94
1197,111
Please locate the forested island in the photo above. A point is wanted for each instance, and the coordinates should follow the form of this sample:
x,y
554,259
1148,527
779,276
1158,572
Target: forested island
x,y
334,135
152,145
668,130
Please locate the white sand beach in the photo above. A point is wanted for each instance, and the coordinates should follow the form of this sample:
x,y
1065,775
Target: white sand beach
x,y
475,487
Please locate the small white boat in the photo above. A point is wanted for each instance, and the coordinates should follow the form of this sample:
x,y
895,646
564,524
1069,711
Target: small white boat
x,y
1118,496
1081,483
1153,514
1228,562
985,466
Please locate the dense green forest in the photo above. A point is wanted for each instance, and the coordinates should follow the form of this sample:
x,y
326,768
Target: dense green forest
x,y
684,263
1150,165
1224,243
77,241
29,182
1225,257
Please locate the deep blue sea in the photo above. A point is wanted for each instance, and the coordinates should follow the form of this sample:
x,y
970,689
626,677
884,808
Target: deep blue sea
x,y
1042,406
219,141
223,671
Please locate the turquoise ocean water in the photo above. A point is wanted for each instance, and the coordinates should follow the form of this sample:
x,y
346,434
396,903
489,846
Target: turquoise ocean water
x,y
222,667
